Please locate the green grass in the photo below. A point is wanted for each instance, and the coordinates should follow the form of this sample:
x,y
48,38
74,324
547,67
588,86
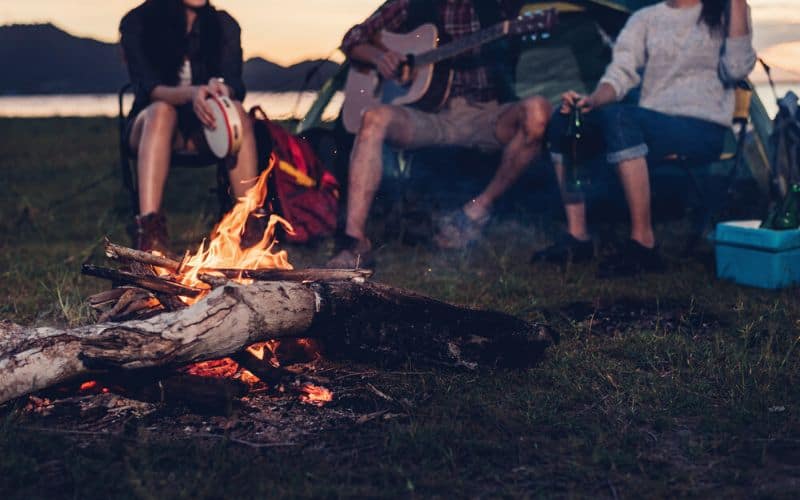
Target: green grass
x,y
678,385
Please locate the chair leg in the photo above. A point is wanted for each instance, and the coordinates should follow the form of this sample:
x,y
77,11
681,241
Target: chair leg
x,y
701,213
223,185
128,182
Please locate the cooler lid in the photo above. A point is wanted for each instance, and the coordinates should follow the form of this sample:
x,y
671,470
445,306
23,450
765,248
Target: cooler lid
x,y
746,233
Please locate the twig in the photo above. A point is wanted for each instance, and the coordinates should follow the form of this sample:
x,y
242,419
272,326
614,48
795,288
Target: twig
x,y
117,252
153,283
242,441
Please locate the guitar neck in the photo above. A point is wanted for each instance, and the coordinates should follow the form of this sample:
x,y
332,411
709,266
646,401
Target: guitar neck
x,y
462,45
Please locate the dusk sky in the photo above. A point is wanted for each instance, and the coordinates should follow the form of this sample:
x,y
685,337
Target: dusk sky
x,y
280,30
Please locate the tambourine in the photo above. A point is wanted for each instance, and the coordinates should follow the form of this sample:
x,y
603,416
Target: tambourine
x,y
226,139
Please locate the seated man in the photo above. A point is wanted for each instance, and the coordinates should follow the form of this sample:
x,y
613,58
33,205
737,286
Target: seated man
x,y
178,53
473,116
687,56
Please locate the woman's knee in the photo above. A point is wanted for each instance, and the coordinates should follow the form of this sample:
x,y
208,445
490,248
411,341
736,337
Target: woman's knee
x,y
160,113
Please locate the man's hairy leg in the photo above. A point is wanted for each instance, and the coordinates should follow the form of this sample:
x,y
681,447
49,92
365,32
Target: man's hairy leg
x,y
521,128
384,123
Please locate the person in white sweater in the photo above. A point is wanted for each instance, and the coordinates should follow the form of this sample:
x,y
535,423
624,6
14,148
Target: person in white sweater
x,y
685,57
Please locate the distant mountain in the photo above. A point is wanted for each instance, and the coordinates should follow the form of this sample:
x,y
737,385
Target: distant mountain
x,y
263,75
42,59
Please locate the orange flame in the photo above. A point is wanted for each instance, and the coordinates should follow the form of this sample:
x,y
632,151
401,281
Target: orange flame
x,y
315,395
223,250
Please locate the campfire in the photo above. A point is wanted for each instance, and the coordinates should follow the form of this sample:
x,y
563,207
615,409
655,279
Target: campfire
x,y
224,323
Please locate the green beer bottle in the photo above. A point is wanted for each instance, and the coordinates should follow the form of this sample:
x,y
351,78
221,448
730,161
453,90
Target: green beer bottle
x,y
787,217
575,178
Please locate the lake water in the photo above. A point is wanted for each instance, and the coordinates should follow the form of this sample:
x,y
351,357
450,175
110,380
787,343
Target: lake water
x,y
278,105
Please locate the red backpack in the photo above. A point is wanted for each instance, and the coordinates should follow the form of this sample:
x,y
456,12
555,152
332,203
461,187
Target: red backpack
x,y
301,189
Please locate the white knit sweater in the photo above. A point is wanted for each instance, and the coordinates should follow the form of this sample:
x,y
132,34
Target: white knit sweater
x,y
683,68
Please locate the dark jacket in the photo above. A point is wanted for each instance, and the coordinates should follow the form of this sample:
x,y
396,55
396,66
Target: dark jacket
x,y
143,75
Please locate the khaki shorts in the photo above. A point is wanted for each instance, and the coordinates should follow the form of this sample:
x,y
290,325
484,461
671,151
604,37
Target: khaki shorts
x,y
461,123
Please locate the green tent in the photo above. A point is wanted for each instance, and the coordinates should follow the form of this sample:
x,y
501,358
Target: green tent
x,y
575,57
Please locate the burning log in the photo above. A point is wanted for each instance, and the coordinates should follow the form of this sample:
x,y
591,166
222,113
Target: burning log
x,y
153,283
352,320
118,252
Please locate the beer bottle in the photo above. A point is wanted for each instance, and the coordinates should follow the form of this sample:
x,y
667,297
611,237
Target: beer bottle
x,y
787,217
575,178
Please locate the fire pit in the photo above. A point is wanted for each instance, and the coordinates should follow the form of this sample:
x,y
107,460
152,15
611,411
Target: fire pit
x,y
225,326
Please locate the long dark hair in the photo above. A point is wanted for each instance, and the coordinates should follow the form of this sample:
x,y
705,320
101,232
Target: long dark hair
x,y
166,43
713,14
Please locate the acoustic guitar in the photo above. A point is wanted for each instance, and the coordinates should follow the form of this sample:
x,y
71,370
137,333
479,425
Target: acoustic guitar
x,y
425,79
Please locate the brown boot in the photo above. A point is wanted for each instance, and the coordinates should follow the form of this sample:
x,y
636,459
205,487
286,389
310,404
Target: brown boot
x,y
151,231
254,228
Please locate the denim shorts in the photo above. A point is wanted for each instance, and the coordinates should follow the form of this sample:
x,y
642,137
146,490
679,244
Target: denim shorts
x,y
627,131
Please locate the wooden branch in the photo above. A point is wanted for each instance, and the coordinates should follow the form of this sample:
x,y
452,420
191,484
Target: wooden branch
x,y
203,395
117,252
354,321
153,283
310,274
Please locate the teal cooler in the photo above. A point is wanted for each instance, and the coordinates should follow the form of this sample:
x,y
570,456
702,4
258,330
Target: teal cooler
x,y
764,258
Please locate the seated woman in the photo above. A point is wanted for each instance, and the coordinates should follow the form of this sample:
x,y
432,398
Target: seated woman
x,y
686,55
179,52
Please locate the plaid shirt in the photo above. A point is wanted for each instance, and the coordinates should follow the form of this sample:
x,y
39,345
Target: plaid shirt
x,y
459,19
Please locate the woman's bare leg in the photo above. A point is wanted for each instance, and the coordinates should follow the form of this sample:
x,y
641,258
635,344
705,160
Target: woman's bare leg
x,y
244,173
635,181
152,137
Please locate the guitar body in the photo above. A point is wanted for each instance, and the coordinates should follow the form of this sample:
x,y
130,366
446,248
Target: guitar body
x,y
427,89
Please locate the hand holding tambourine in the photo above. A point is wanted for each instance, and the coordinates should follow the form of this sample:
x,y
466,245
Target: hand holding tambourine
x,y
222,124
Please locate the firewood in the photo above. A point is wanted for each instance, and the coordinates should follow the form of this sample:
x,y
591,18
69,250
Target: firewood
x,y
309,274
203,395
118,252
114,251
363,321
153,283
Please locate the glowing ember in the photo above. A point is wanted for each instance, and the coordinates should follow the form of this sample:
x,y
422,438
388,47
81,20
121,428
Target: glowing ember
x,y
315,395
262,350
91,384
218,368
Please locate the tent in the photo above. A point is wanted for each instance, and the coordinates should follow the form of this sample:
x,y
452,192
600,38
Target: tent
x,y
575,57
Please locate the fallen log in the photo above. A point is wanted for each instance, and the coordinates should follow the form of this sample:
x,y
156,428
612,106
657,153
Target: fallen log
x,y
364,321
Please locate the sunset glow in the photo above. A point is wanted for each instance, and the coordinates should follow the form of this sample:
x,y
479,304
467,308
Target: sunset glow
x,y
278,30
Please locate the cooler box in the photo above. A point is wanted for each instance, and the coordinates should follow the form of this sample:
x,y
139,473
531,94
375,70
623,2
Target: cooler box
x,y
764,258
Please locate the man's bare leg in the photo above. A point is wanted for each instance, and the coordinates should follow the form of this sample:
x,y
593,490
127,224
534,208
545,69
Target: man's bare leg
x,y
384,123
633,175
521,129
152,137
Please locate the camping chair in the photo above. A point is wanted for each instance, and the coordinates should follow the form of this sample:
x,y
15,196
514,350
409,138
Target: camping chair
x,y
708,201
184,159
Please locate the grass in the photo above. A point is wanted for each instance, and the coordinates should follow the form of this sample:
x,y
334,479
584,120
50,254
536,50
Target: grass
x,y
662,385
